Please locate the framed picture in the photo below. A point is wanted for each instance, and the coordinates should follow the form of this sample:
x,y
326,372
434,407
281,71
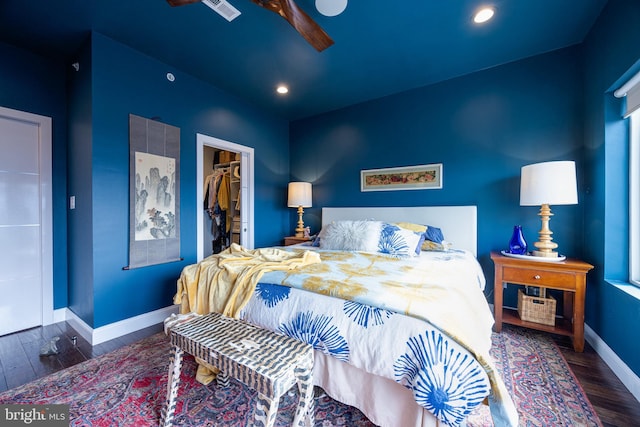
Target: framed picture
x,y
421,177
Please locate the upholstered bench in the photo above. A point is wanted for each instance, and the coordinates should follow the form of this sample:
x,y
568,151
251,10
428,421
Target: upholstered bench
x,y
267,362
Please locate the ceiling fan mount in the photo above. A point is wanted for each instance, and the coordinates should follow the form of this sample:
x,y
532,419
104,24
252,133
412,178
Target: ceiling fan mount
x,y
289,10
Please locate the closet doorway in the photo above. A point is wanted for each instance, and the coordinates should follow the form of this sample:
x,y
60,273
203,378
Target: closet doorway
x,y
216,157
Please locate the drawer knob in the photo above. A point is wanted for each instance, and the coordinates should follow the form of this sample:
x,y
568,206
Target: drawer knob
x,y
537,277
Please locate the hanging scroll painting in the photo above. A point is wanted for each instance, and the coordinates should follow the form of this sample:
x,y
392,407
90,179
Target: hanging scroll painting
x,y
154,152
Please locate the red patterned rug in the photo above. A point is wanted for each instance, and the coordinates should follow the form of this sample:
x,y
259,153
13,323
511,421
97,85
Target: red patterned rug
x,y
539,380
127,388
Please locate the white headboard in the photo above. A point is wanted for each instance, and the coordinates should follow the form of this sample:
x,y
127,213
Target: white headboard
x,y
458,223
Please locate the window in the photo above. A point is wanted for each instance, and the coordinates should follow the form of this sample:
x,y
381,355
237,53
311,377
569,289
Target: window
x,y
634,198
631,92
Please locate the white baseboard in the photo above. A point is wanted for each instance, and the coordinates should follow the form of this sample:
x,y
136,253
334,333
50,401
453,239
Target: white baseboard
x,y
59,315
79,325
116,329
617,365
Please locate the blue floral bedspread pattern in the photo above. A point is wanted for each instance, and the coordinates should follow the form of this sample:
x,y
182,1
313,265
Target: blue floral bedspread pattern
x,y
444,380
443,375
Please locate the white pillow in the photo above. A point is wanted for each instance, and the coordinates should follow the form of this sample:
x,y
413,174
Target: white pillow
x,y
351,236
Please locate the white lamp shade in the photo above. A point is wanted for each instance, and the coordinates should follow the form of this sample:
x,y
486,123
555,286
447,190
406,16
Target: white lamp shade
x,y
299,194
552,183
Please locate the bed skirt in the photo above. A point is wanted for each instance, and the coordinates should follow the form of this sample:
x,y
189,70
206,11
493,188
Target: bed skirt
x,y
385,402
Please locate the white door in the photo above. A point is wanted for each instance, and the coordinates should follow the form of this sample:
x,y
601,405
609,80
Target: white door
x,y
25,221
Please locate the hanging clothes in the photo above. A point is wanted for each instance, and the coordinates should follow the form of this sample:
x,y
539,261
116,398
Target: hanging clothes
x,y
223,199
211,185
216,203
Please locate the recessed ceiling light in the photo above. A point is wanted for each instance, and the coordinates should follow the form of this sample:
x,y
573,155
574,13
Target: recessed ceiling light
x,y
483,15
282,89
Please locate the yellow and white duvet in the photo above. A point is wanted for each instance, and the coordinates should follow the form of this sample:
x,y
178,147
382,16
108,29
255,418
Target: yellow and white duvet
x,y
421,321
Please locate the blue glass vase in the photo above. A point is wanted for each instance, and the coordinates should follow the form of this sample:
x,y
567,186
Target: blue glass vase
x,y
517,244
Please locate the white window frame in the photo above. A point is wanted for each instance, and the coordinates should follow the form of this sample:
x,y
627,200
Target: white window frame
x,y
634,198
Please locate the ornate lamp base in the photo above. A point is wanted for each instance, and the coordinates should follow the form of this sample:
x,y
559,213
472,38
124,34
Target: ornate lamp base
x,y
300,227
545,245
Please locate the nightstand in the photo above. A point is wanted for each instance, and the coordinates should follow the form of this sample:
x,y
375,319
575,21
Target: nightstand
x,y
293,240
568,276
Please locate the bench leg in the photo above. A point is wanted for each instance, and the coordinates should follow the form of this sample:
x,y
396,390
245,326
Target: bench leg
x,y
306,404
266,411
222,380
173,382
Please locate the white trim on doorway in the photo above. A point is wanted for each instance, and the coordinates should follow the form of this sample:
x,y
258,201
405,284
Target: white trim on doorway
x,y
246,185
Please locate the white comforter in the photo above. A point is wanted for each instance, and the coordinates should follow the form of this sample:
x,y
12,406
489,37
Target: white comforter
x,y
375,334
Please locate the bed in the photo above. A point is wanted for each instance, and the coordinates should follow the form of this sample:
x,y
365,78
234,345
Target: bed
x,y
404,337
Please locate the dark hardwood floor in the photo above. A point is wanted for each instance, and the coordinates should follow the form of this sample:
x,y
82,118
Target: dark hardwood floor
x,y
20,362
613,402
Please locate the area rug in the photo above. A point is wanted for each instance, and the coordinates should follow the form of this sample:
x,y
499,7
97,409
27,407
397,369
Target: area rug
x,y
539,380
127,388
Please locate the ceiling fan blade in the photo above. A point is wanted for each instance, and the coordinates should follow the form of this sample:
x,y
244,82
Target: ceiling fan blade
x,y
307,27
181,2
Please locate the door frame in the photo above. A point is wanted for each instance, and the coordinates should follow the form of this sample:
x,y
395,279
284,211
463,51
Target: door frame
x,y
46,204
246,188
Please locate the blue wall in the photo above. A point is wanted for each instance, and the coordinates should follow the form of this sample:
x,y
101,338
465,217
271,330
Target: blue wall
x,y
124,81
483,127
610,51
80,219
37,85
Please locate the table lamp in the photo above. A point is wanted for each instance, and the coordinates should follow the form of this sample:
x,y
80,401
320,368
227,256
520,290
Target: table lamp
x,y
299,197
545,184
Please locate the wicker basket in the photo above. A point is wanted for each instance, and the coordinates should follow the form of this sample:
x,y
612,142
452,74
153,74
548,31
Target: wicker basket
x,y
537,309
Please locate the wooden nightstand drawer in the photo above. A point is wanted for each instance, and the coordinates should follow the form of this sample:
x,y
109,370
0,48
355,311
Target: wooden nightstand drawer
x,y
541,278
292,240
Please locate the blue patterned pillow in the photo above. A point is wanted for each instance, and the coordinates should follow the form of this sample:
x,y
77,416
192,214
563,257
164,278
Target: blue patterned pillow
x,y
399,241
433,234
